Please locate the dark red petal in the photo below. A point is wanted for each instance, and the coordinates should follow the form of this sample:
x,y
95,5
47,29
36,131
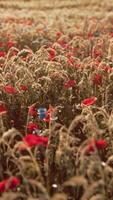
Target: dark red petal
x,y
10,89
34,140
89,101
2,109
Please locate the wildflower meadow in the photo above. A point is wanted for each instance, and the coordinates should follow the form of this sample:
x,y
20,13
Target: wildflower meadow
x,y
56,100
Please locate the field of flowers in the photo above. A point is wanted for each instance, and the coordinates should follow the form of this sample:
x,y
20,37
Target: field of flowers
x,y
56,100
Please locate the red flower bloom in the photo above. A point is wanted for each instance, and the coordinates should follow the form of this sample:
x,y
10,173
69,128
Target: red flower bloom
x,y
97,79
34,140
32,126
2,186
32,111
97,53
10,44
10,89
99,144
58,34
88,101
69,84
23,87
2,54
2,108
14,182
10,183
107,68
52,54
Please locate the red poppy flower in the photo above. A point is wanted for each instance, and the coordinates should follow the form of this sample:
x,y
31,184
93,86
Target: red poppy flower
x,y
10,89
2,54
14,182
10,44
2,186
34,140
107,68
97,53
32,111
23,87
10,183
69,84
97,79
32,126
88,101
2,108
99,144
58,34
52,54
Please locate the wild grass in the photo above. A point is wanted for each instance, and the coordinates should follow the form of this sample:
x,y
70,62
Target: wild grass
x,y
56,55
